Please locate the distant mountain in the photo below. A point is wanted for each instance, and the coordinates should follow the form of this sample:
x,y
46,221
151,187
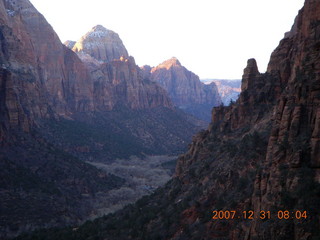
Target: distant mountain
x,y
117,80
102,44
185,88
228,89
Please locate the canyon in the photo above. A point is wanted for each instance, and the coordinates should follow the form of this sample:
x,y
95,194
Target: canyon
x,y
259,155
68,109
63,112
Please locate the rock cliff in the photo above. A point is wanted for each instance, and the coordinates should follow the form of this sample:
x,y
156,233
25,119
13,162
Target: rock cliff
x,y
277,112
102,44
56,108
121,82
39,76
185,88
117,80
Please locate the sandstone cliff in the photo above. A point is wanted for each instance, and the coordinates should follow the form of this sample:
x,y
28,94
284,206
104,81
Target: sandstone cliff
x,y
54,109
39,76
117,80
185,88
102,44
121,82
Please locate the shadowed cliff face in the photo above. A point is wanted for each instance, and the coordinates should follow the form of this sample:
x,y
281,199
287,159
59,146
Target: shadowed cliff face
x,y
282,107
292,180
259,154
40,79
39,75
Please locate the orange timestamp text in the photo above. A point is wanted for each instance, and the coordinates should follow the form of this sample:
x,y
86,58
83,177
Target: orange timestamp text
x,y
281,214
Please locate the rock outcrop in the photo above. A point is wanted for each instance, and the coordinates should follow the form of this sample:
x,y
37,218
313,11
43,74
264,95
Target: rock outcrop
x,y
102,44
40,77
117,80
185,88
121,82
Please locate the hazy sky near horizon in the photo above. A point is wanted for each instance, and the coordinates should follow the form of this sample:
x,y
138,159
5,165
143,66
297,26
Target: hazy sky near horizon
x,y
212,38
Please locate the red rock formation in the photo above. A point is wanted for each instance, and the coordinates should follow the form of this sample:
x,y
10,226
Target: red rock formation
x,y
121,82
42,78
116,78
294,143
39,75
250,73
183,86
286,97
102,44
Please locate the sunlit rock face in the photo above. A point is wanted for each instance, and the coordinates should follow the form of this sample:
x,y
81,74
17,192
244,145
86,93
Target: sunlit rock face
x,y
101,44
185,88
117,80
121,82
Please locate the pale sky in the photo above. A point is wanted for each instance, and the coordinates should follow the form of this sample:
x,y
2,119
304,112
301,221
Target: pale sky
x,y
212,38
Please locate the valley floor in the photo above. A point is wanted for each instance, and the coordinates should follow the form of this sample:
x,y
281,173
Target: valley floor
x,y
142,175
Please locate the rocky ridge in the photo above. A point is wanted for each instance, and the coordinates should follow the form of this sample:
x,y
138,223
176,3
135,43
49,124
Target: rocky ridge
x,y
185,88
116,78
102,44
